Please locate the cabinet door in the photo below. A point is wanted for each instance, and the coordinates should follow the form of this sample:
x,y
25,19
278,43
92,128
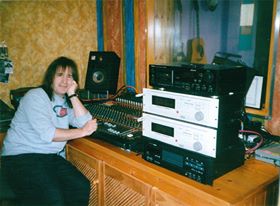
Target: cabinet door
x,y
90,167
123,189
160,198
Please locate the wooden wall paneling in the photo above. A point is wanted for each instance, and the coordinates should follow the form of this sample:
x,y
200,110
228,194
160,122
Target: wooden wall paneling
x,y
273,125
113,33
160,32
164,27
150,37
265,111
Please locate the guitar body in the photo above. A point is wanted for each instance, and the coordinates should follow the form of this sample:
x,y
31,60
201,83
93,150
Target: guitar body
x,y
196,52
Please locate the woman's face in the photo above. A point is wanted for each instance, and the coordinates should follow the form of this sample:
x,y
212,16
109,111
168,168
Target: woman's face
x,y
63,79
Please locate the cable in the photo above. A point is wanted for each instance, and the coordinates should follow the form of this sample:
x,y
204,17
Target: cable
x,y
121,90
118,93
252,150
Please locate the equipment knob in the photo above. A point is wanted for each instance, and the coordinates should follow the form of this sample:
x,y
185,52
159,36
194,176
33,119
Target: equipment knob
x,y
197,146
199,116
208,77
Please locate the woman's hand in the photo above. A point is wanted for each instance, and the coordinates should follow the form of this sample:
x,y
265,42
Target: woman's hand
x,y
72,88
89,127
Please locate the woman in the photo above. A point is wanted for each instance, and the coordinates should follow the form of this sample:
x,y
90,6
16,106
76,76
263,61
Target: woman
x,y
33,150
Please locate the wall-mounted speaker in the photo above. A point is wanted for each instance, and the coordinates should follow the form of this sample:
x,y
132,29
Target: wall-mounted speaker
x,y
102,72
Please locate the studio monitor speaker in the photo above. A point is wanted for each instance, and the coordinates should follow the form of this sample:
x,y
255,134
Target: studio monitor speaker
x,y
102,72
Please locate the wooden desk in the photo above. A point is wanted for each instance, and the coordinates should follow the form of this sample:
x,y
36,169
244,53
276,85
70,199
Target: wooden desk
x,y
124,178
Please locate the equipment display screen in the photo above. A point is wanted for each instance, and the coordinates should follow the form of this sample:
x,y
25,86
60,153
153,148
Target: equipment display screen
x,y
186,76
165,102
163,129
172,158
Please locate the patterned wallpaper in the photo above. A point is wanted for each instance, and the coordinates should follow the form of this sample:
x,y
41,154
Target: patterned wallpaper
x,y
38,31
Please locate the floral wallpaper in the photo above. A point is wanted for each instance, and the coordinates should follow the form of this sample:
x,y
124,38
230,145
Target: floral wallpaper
x,y
38,31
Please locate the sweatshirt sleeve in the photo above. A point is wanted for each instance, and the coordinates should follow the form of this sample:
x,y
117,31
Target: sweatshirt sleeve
x,y
37,108
79,121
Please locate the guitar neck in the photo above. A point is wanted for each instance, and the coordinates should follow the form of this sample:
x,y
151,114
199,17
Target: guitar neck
x,y
196,8
197,24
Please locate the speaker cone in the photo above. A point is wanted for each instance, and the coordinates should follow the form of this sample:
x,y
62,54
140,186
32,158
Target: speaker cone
x,y
98,77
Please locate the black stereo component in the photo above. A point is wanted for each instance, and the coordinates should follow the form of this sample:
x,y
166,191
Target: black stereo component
x,y
118,121
201,168
6,116
17,94
202,80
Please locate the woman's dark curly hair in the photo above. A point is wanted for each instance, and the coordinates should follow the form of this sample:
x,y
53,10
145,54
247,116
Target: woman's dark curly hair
x,y
60,62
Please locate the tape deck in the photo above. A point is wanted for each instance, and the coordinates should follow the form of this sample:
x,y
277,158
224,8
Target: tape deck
x,y
203,80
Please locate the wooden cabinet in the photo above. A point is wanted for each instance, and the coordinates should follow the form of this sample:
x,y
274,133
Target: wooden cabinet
x,y
109,185
124,178
92,169
123,189
164,199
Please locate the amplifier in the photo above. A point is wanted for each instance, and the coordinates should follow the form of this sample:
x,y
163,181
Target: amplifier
x,y
198,167
207,111
199,139
203,80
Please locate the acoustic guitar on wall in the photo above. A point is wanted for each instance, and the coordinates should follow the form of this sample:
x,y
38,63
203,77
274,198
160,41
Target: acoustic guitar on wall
x,y
196,53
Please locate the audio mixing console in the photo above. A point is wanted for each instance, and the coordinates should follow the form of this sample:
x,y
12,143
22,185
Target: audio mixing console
x,y
118,121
